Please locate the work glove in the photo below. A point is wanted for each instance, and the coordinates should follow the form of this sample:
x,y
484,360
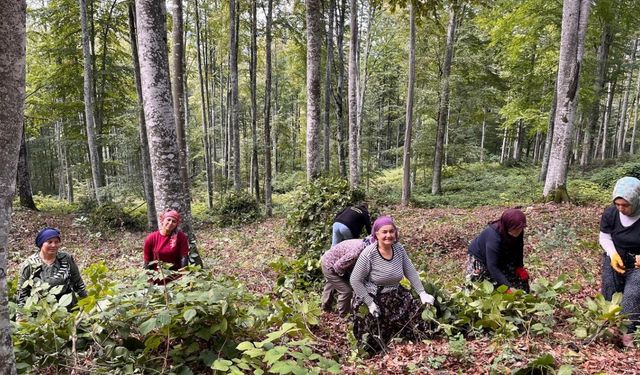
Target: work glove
x,y
508,291
522,273
617,263
426,298
374,310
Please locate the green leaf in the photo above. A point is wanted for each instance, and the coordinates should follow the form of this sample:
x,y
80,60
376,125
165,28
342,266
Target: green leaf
x,y
565,370
189,315
147,326
65,300
245,345
221,364
163,319
275,354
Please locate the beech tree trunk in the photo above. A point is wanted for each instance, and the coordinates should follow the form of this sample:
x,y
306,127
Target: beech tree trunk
x,y
443,108
354,175
327,90
313,88
574,24
255,177
267,112
632,147
234,125
147,177
549,138
406,165
12,95
625,101
158,109
339,96
203,111
96,165
24,175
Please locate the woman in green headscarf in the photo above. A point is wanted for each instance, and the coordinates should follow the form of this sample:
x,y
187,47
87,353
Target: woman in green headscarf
x,y
620,239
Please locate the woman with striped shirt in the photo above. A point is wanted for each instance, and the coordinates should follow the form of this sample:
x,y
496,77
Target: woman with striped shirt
x,y
392,311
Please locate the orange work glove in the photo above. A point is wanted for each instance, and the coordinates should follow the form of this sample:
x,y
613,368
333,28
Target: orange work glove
x,y
616,263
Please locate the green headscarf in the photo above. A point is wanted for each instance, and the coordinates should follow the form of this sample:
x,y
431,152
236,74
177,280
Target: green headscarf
x,y
628,188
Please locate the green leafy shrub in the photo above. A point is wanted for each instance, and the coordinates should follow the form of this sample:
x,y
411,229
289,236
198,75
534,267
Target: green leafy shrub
x,y
286,182
316,204
303,273
587,192
111,216
593,322
236,208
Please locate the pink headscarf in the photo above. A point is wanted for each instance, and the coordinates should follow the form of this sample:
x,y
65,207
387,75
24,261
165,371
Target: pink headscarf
x,y
170,213
381,222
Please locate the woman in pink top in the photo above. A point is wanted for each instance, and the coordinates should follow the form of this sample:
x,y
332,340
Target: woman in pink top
x,y
167,244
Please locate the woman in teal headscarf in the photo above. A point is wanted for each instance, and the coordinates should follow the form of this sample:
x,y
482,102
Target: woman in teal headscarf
x,y
620,239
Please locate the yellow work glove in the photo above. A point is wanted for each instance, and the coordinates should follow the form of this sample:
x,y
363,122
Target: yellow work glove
x,y
616,263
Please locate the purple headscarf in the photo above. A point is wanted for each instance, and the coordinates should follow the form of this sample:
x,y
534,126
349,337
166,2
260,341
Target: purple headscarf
x,y
381,222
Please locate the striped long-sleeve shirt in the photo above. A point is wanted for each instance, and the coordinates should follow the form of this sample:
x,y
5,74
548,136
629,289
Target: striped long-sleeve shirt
x,y
372,271
63,271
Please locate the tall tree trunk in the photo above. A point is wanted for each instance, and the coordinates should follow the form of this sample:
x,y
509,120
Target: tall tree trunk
x,y
549,138
443,108
313,88
96,165
235,104
255,176
484,128
625,101
12,95
574,24
147,177
267,112
158,109
632,148
354,176
203,110
24,176
606,39
607,117
363,80
327,91
177,89
339,96
406,164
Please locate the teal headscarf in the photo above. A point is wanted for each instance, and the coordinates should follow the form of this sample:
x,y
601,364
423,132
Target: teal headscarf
x,y
628,188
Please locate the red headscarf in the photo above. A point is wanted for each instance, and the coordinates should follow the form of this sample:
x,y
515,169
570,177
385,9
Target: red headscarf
x,y
170,213
511,218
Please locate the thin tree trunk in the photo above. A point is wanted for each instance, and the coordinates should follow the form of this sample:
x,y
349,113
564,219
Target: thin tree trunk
x,y
484,128
443,108
12,96
625,100
406,163
177,87
313,88
635,116
267,112
96,165
203,111
24,175
159,118
339,96
574,23
327,92
549,138
147,177
354,177
607,118
255,178
235,103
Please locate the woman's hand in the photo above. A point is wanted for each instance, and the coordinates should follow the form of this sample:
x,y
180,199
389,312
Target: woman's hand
x,y
637,261
522,273
617,264
426,298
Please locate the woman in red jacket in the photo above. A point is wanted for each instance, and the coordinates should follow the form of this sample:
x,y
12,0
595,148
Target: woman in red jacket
x,y
168,244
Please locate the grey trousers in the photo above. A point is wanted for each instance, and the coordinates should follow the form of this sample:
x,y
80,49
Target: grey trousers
x,y
336,283
628,284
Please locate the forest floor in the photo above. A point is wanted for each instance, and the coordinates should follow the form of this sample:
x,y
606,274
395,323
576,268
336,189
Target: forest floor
x,y
559,239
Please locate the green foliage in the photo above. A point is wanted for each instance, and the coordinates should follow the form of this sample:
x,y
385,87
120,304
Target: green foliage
x,y
236,208
111,216
286,182
279,353
303,273
607,177
316,204
594,322
542,365
53,205
587,192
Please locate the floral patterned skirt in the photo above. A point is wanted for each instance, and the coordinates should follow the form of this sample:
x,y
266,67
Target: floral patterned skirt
x,y
400,316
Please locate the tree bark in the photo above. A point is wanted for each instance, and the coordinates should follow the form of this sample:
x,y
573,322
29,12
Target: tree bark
x,y
203,111
328,89
267,112
607,117
147,177
574,23
255,177
24,176
234,125
12,96
443,108
625,101
632,147
313,88
177,89
339,96
96,165
159,119
354,176
406,164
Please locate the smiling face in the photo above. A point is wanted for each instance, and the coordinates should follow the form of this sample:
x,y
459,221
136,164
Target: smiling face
x,y
168,225
50,247
386,235
623,206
